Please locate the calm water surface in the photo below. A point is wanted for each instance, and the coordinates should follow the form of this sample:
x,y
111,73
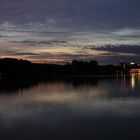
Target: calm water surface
x,y
84,108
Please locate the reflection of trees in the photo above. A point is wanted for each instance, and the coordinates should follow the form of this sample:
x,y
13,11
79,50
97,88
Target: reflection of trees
x,y
19,74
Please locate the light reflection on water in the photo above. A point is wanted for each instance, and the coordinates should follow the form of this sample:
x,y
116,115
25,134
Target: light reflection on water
x,y
99,108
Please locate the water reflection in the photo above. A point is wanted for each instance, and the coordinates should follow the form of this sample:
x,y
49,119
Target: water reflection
x,y
133,78
81,108
123,81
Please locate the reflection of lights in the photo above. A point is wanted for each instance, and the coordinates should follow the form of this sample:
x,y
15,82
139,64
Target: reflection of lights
x,y
135,77
133,80
123,82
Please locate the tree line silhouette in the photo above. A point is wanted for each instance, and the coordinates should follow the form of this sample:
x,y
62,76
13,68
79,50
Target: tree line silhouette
x,y
11,68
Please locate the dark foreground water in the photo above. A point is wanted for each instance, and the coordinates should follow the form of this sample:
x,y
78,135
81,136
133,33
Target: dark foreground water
x,y
104,108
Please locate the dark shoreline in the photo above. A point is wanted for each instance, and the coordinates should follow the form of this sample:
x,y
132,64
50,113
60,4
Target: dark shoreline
x,y
25,70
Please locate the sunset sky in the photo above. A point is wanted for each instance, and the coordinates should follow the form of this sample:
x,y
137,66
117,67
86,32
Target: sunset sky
x,y
58,31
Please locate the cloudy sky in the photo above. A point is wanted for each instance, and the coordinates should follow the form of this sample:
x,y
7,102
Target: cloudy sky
x,y
57,31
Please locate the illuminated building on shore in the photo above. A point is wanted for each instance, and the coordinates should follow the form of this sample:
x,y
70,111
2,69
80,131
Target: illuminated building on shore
x,y
132,67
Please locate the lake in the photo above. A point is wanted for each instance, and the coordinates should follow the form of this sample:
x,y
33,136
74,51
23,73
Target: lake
x,y
88,108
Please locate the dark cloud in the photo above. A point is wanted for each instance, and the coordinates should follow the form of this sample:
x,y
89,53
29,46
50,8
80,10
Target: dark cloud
x,y
34,43
15,53
105,14
114,53
2,36
130,49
